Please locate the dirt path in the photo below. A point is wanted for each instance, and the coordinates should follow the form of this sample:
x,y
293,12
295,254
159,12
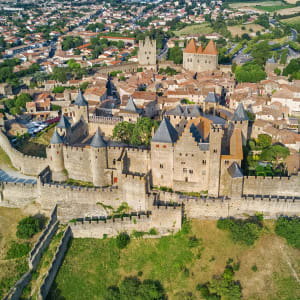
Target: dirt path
x,y
289,264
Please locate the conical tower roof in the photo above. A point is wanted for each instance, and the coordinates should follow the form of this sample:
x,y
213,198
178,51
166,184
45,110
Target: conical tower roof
x,y
195,112
240,114
80,100
56,138
130,106
212,98
200,50
235,171
191,47
165,133
210,48
98,141
63,122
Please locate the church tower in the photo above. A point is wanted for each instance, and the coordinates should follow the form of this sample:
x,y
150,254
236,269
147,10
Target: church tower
x,y
147,53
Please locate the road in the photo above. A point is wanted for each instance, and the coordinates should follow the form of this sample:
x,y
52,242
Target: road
x,y
163,52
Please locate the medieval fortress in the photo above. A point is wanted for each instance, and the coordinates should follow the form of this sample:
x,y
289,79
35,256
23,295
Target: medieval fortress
x,y
192,167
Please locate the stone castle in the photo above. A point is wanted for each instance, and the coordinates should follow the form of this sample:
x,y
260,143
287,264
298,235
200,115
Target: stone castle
x,y
196,59
193,150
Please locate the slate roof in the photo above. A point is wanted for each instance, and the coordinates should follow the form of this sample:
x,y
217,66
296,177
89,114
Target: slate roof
x,y
235,171
211,98
130,106
80,100
240,114
98,141
195,133
195,112
56,138
165,133
177,111
63,122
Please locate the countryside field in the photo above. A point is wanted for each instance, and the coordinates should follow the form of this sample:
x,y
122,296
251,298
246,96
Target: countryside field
x,y
292,21
194,29
92,265
237,30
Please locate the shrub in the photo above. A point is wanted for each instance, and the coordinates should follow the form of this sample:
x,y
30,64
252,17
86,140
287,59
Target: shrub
x,y
153,231
27,227
193,242
254,268
289,228
242,231
123,239
17,250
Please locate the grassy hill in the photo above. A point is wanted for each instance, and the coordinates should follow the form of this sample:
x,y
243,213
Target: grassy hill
x,y
268,270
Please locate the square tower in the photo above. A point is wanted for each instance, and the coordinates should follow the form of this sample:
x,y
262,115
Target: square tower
x,y
147,52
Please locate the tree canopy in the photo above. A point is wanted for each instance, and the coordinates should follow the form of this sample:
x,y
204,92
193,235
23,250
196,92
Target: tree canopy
x,y
137,134
250,72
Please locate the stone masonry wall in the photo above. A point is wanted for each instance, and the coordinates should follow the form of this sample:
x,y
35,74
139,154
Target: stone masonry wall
x,y
17,194
30,165
44,240
55,264
163,219
284,186
16,291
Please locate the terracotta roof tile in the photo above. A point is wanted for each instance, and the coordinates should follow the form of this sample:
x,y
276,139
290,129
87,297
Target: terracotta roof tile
x,y
210,48
191,47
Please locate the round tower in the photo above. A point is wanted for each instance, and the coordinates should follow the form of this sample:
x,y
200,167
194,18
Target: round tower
x,y
57,165
99,159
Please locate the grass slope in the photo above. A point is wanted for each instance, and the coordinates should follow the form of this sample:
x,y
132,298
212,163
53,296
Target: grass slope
x,y
194,29
92,265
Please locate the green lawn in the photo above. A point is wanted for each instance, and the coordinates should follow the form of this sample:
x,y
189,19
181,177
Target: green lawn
x,y
92,265
274,7
5,160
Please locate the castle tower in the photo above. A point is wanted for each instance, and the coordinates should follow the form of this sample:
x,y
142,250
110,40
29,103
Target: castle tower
x,y
98,159
215,142
199,60
162,154
57,158
147,53
81,108
240,120
64,128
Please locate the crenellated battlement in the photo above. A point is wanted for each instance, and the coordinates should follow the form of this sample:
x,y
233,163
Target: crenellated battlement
x,y
105,120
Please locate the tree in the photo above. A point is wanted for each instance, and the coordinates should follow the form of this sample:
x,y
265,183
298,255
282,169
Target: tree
x,y
175,54
27,227
261,52
275,153
289,228
250,72
22,99
123,239
264,140
141,134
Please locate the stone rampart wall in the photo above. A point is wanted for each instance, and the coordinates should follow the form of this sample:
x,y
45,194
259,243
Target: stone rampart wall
x,y
17,194
281,186
44,240
163,219
124,67
55,264
30,165
73,202
16,291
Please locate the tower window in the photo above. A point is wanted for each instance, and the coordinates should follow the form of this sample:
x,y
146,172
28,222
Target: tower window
x,y
114,161
204,162
215,150
191,171
184,170
161,166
